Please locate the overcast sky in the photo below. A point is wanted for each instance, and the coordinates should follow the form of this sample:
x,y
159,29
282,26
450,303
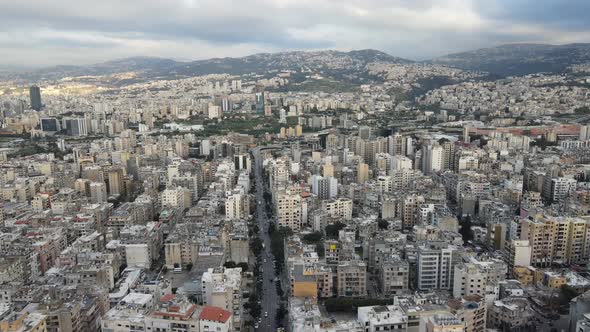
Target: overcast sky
x,y
37,33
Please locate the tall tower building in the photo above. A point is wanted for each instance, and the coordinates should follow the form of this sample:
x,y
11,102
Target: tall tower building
x,y
432,158
115,178
449,155
362,173
35,94
584,133
98,192
259,102
466,138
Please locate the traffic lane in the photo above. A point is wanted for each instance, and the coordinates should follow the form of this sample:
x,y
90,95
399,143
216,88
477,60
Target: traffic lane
x,y
269,296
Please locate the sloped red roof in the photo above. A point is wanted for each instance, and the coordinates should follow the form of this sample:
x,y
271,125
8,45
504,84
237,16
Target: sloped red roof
x,y
167,297
215,314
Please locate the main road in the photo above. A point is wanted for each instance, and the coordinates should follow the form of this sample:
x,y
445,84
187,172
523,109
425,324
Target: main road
x,y
270,299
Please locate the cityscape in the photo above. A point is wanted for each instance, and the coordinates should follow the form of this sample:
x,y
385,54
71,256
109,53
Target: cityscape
x,y
310,189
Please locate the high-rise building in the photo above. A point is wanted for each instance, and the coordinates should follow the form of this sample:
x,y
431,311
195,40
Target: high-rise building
x,y
362,173
236,206
35,95
432,158
448,155
242,161
352,279
98,192
50,124
396,144
584,133
288,207
76,127
470,310
324,187
339,209
115,179
435,267
556,240
365,132
222,288
259,102
393,275
478,277
328,169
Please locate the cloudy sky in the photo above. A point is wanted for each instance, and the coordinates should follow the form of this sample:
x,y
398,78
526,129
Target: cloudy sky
x,y
36,33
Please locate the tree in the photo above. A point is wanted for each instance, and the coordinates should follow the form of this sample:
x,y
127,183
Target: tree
x,y
333,229
383,224
319,249
343,304
256,246
311,238
244,266
189,266
466,231
164,269
229,264
281,312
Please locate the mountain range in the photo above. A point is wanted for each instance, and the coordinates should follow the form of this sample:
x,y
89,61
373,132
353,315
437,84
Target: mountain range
x,y
519,59
505,60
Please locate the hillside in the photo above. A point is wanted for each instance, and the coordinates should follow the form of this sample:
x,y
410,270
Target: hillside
x,y
340,65
519,59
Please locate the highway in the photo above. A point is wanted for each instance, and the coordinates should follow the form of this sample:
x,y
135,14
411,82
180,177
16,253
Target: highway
x,y
270,299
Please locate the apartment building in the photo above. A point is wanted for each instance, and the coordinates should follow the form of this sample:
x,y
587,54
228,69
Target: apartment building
x,y
351,279
435,266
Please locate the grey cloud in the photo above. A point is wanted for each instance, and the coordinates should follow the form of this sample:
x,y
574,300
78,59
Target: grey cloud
x,y
201,28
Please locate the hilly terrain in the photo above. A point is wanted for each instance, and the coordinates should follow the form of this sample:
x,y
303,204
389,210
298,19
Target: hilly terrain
x,y
336,64
519,59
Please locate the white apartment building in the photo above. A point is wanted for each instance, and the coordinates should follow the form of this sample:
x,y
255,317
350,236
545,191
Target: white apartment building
x,y
222,288
435,266
289,210
339,208
382,318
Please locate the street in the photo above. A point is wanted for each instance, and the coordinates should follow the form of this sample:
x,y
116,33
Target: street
x,y
270,299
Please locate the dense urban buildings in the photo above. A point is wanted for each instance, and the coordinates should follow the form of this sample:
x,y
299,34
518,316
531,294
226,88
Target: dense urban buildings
x,y
404,197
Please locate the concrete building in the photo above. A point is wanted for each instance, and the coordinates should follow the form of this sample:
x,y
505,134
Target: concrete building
x,y
237,206
559,240
435,266
511,314
362,173
432,158
478,278
214,319
180,251
98,192
441,323
382,318
393,275
222,288
351,279
470,310
289,210
325,187
339,209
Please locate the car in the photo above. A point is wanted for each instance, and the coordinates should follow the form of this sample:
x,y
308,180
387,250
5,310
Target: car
x,y
255,326
265,260
266,314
